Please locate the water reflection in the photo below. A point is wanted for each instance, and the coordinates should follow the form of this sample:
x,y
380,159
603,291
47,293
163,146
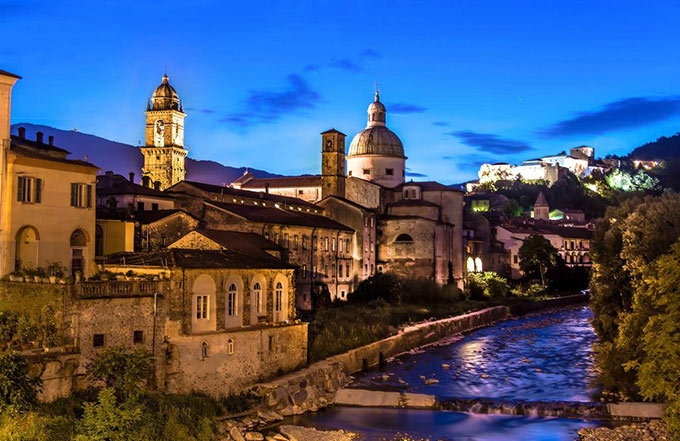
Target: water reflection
x,y
380,424
543,357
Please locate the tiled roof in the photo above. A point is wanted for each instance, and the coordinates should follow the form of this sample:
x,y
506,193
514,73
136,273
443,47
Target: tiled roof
x,y
282,216
346,201
9,74
414,203
25,142
30,153
141,216
229,191
429,186
198,259
123,186
249,243
547,227
285,182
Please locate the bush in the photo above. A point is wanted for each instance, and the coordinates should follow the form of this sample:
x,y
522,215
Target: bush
x,y
486,285
18,391
122,370
381,286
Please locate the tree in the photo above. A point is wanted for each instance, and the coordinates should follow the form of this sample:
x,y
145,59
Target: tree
x,y
109,420
650,336
122,370
537,256
486,285
18,391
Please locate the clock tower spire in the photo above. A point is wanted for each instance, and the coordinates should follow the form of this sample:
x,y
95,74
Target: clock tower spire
x,y
164,152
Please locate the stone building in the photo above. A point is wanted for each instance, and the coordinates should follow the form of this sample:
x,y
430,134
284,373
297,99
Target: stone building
x,y
217,321
164,152
413,228
116,192
47,213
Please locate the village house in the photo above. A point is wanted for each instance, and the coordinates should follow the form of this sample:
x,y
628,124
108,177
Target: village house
x,y
47,212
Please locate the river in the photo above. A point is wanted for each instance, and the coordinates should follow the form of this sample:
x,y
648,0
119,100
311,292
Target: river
x,y
547,356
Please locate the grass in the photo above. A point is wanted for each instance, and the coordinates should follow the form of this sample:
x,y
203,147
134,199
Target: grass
x,y
338,328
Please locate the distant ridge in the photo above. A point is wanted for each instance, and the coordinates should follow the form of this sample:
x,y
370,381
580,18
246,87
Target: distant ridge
x,y
124,158
664,148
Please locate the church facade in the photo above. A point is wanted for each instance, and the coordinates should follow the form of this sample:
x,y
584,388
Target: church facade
x,y
413,229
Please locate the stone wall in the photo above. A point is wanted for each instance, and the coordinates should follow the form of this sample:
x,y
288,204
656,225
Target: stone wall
x,y
258,354
418,335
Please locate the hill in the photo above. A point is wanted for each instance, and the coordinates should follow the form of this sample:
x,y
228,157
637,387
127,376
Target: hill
x,y
124,158
664,148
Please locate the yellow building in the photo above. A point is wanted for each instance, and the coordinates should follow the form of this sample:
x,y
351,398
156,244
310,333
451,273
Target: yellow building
x,y
47,214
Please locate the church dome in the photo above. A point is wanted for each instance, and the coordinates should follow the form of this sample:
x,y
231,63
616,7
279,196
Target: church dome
x,y
376,138
165,97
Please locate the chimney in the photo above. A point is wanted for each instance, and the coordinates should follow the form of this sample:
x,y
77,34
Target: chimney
x,y
39,137
132,177
145,181
22,132
266,187
157,185
50,140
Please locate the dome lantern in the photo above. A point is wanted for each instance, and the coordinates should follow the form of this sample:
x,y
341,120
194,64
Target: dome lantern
x,y
376,112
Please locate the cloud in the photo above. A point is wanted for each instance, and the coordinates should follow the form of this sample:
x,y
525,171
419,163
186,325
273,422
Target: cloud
x,y
370,53
346,64
194,109
441,124
403,108
267,106
626,113
465,162
415,175
490,143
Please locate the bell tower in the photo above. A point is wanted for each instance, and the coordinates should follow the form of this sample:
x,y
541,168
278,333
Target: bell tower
x,y
332,163
164,152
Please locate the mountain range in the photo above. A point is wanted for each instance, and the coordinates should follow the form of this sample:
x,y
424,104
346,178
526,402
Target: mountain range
x,y
125,158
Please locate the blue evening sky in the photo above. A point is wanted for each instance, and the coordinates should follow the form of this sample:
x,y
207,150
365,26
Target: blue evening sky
x,y
464,82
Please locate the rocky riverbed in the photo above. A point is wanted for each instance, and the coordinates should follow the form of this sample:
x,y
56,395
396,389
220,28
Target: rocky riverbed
x,y
652,431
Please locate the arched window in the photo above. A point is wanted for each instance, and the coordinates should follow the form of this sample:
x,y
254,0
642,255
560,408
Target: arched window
x,y
470,265
404,238
230,346
278,306
204,349
232,300
478,264
257,293
78,238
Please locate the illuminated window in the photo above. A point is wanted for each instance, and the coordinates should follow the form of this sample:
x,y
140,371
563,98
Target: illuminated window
x,y
230,346
257,291
204,349
202,308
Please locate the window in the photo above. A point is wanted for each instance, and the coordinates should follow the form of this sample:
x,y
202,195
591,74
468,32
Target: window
x,y
286,243
347,269
230,346
29,190
333,245
202,307
404,238
304,271
333,270
270,344
204,349
295,242
138,337
314,241
340,245
154,207
232,300
314,271
342,294
300,191
325,244
340,270
326,273
371,268
140,206
81,195
304,242
278,305
371,222
350,173
367,171
347,250
257,292
389,172
163,239
98,340
515,259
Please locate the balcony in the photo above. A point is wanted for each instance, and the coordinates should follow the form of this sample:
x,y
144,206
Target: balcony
x,y
118,289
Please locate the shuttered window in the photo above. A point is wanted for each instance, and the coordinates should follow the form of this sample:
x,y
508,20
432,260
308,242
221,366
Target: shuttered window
x,y
29,190
81,195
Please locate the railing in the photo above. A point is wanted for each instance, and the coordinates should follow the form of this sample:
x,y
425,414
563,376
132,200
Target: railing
x,y
119,288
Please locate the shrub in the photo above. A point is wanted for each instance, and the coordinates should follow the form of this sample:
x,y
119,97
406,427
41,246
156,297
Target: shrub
x,y
18,391
487,285
122,370
381,286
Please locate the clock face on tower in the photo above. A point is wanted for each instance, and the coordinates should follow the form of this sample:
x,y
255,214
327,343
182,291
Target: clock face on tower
x,y
329,145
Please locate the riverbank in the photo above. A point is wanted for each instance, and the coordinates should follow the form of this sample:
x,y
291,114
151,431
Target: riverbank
x,y
651,431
